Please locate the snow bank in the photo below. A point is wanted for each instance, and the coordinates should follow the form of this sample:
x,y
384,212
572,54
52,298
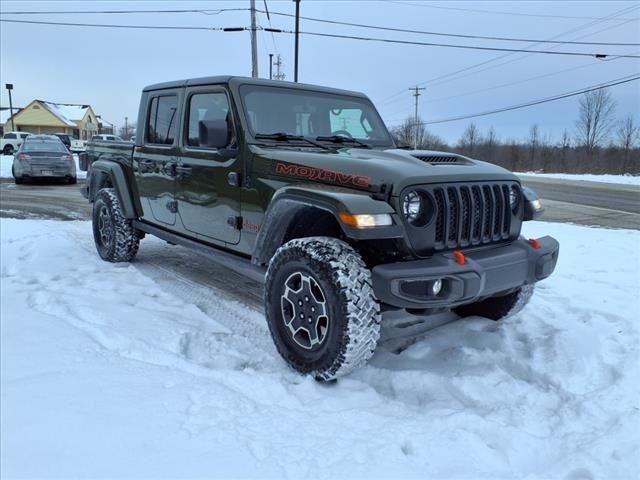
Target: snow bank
x,y
6,161
617,179
107,373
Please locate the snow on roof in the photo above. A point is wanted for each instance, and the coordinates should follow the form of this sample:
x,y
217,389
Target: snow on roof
x,y
68,113
5,113
104,123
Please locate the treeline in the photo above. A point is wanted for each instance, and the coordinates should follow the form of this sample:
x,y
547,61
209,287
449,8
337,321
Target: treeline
x,y
599,144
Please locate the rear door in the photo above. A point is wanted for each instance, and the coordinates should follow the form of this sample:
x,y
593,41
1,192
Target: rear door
x,y
207,186
154,162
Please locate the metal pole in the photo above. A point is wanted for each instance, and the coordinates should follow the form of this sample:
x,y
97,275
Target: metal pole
x,y
126,127
416,94
295,68
271,66
254,41
9,88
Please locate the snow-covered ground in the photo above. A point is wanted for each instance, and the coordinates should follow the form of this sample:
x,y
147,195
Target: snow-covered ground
x,y
108,373
6,161
587,177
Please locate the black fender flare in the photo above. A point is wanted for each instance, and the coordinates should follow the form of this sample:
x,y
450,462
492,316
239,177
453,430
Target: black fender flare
x,y
104,172
289,202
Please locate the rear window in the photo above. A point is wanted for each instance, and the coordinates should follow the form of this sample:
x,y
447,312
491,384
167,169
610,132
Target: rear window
x,y
43,146
162,120
10,135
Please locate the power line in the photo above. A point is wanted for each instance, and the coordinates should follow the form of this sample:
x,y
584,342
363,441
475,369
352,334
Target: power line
x,y
335,22
71,12
485,62
329,35
525,80
468,47
456,35
147,27
531,103
518,14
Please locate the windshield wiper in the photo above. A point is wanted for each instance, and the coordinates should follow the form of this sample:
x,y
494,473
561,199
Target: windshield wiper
x,y
286,137
342,139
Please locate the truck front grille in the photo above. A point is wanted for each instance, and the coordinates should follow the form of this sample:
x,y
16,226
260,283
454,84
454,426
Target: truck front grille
x,y
471,214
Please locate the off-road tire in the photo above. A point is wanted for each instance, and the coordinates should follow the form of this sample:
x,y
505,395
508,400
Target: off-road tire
x,y
115,238
353,311
497,308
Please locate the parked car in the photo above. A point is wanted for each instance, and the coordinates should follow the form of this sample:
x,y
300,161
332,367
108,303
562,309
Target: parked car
x,y
11,141
72,143
107,138
43,156
301,187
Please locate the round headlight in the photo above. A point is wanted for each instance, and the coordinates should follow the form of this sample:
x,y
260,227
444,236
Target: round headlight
x,y
514,197
412,206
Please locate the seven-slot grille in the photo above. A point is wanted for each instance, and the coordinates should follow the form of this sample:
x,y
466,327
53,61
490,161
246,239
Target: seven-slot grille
x,y
471,214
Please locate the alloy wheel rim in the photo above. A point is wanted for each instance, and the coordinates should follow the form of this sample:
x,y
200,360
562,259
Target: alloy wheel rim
x,y
105,226
303,306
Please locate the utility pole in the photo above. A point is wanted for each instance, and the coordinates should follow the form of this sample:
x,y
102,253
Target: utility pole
x,y
271,66
9,87
279,75
295,68
126,127
416,94
254,41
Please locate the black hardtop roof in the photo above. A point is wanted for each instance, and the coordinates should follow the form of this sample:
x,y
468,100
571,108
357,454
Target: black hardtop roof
x,y
221,79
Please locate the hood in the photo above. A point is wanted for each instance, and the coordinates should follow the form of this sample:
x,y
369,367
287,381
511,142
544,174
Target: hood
x,y
370,168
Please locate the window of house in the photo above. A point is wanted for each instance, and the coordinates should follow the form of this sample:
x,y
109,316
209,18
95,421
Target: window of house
x,y
162,120
204,107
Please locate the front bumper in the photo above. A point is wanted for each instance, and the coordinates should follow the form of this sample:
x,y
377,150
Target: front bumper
x,y
484,273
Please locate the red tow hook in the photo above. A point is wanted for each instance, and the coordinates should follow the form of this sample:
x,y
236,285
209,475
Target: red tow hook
x,y
459,257
534,243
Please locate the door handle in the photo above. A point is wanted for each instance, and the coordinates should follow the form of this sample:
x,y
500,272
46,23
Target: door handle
x,y
184,170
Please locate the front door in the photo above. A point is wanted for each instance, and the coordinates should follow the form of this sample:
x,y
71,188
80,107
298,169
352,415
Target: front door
x,y
154,162
207,190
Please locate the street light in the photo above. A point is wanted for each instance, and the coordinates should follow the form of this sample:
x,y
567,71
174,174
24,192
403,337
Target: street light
x,y
9,87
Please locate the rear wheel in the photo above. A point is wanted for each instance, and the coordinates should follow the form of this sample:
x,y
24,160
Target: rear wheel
x,y
115,238
321,311
73,180
497,308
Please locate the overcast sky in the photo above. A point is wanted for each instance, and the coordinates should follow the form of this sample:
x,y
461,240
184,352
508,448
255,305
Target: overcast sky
x,y
108,67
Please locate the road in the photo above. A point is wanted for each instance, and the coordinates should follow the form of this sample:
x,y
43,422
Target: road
x,y
566,201
588,203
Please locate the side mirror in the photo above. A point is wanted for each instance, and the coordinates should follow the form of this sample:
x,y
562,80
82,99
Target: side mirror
x,y
213,133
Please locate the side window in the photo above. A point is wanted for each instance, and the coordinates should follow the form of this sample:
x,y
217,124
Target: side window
x,y
10,135
162,120
24,135
205,107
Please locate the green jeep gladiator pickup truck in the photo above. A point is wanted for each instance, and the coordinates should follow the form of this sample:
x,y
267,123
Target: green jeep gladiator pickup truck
x,y
303,188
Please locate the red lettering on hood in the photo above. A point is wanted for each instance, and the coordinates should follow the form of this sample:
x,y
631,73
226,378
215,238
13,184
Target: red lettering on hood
x,y
312,173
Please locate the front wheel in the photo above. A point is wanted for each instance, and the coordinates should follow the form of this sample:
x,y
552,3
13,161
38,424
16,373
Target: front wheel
x,y
115,237
497,308
7,150
320,307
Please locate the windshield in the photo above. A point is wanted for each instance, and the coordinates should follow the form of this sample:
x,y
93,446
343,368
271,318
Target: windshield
x,y
312,114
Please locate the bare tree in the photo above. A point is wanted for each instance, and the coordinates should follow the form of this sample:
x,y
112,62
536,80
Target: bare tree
x,y
628,133
490,142
596,118
565,145
534,141
470,139
406,131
